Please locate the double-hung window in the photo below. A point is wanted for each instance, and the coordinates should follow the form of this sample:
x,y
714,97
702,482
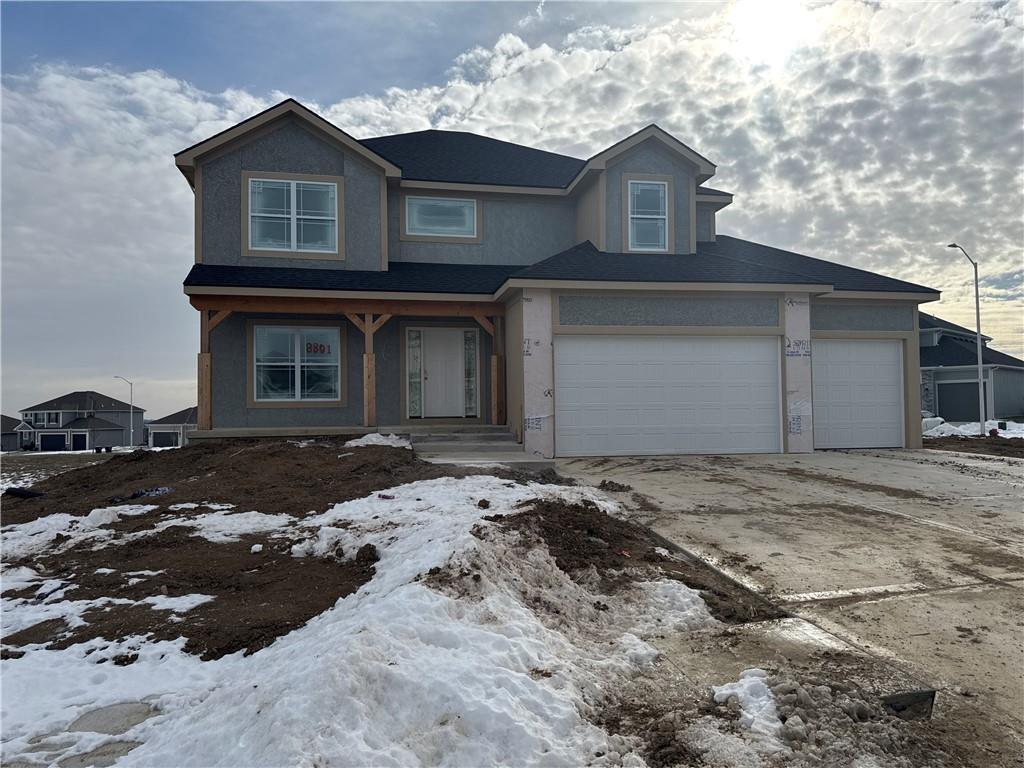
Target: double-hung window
x,y
440,217
299,216
296,363
648,216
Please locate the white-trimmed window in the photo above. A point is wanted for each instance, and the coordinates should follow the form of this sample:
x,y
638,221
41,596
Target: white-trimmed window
x,y
440,217
648,216
296,363
53,418
293,216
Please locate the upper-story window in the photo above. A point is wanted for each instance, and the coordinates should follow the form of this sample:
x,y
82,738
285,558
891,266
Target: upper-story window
x,y
299,216
648,216
441,217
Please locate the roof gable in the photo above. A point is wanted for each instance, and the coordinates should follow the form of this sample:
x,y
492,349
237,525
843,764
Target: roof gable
x,y
87,400
184,416
705,168
186,158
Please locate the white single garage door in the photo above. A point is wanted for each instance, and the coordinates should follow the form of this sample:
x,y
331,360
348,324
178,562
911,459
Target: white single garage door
x,y
858,393
637,395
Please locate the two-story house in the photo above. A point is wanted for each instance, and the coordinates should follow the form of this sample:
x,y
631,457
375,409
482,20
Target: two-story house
x,y
441,277
949,374
80,421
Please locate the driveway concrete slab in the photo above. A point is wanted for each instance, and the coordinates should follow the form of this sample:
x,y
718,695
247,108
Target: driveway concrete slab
x,y
915,556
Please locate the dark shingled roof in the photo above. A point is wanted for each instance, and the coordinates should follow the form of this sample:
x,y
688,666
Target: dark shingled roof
x,y
730,260
8,423
459,157
83,401
931,321
184,416
402,276
710,191
950,351
92,422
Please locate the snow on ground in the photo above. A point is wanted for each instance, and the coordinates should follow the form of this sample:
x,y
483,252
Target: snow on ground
x,y
375,438
398,673
37,535
757,704
970,429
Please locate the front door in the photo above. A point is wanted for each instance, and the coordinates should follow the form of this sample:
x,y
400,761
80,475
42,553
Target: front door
x,y
444,376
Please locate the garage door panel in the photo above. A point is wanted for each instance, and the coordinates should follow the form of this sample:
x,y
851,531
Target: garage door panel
x,y
858,393
631,395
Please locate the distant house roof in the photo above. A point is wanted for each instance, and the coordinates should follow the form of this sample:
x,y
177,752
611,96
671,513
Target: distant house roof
x,y
92,422
951,351
83,401
8,424
730,260
184,416
931,321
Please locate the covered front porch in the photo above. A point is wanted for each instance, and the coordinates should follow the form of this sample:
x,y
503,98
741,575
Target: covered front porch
x,y
356,364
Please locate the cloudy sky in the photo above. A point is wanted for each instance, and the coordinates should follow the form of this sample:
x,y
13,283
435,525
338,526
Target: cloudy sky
x,y
870,133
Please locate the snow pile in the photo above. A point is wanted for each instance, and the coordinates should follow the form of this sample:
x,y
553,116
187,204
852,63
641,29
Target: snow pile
x,y
757,704
970,429
376,438
225,525
467,647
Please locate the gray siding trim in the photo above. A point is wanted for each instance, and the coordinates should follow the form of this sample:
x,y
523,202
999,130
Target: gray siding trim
x,y
851,316
722,311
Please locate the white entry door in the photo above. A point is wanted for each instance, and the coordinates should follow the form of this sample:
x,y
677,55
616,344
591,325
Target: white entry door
x,y
444,373
635,395
858,393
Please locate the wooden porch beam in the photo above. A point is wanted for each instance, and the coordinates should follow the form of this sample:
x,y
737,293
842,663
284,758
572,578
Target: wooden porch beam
x,y
356,321
379,322
216,318
486,324
347,306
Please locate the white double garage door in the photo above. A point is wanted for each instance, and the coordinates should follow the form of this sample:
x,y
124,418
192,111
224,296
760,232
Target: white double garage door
x,y
650,395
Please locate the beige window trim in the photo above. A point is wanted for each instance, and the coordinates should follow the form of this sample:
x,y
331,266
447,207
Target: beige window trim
x,y
404,236
670,228
338,181
250,365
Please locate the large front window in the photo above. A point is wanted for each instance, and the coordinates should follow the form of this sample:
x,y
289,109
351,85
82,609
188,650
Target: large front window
x,y
296,363
440,217
293,216
648,216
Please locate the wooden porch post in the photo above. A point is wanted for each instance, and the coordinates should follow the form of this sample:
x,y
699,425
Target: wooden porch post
x,y
493,328
208,320
369,326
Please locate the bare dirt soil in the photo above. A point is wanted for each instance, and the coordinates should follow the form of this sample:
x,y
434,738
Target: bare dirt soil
x,y
991,446
582,537
258,596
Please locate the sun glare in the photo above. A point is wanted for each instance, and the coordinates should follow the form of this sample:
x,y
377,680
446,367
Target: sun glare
x,y
768,31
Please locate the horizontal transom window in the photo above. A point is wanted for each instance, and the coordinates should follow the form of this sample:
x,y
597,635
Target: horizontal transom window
x,y
440,216
296,363
648,216
293,215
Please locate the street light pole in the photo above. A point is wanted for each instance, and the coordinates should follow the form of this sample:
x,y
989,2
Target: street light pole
x,y
977,341
131,410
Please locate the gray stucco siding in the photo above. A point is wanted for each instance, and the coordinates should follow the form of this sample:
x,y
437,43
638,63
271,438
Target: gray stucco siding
x,y
734,311
290,148
705,223
847,316
516,229
1008,397
229,352
651,157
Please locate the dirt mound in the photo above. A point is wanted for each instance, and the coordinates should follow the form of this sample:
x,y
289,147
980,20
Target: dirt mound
x,y
257,596
581,537
270,476
991,446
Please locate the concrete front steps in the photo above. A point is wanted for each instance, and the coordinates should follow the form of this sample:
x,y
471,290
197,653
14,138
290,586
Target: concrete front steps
x,y
470,445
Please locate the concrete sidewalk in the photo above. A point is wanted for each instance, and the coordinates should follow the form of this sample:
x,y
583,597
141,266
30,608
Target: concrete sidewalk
x,y
916,557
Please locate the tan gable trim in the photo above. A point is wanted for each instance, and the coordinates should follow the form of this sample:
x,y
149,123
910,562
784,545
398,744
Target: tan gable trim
x,y
603,159
186,159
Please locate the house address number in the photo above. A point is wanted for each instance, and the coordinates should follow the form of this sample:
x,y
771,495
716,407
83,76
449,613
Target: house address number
x,y
316,348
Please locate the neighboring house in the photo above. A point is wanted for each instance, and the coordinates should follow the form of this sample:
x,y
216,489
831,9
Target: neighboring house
x,y
172,431
445,278
949,374
81,421
9,437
